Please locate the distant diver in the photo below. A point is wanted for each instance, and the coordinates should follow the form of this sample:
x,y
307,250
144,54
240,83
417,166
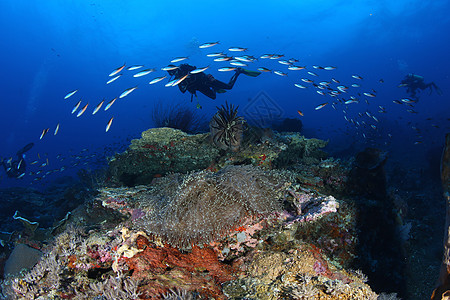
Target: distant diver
x,y
414,82
204,83
17,168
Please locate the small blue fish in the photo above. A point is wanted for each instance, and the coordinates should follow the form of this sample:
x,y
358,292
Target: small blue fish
x,y
96,109
177,59
82,110
113,79
227,69
371,95
157,79
199,70
110,103
116,71
127,92
144,72
215,54
280,73
169,68
70,94
321,106
108,126
74,109
207,45
237,49
132,68
296,68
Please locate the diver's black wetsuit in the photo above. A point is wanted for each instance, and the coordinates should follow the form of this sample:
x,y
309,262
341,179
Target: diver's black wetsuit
x,y
414,82
16,168
204,83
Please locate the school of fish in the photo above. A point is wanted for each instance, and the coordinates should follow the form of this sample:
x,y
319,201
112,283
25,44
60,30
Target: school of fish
x,y
337,95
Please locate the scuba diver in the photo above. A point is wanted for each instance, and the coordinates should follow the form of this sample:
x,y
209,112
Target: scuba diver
x,y
16,168
204,83
414,82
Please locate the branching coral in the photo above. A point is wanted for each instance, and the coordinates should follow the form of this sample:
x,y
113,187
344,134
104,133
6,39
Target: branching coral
x,y
205,204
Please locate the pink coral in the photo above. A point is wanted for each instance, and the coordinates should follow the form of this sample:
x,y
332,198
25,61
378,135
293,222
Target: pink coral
x,y
104,256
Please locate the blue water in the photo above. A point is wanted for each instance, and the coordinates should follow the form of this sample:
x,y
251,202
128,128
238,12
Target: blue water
x,y
52,47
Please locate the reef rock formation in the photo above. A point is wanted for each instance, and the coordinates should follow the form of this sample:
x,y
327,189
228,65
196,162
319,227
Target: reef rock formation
x,y
158,152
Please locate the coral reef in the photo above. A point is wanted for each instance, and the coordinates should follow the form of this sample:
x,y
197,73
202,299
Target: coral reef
x,y
294,275
266,250
300,149
158,152
165,150
233,227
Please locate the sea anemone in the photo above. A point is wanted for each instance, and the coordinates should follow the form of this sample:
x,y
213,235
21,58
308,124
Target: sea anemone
x,y
227,128
202,206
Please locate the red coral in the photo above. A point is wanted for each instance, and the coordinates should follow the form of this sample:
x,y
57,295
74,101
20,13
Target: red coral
x,y
169,268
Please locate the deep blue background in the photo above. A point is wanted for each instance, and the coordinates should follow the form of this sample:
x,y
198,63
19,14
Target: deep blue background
x,y
49,48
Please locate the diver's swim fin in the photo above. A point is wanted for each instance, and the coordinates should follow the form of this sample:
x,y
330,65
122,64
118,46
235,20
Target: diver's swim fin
x,y
25,149
250,73
221,91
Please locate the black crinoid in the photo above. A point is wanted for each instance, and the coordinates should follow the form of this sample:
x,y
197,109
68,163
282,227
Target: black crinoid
x,y
227,128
